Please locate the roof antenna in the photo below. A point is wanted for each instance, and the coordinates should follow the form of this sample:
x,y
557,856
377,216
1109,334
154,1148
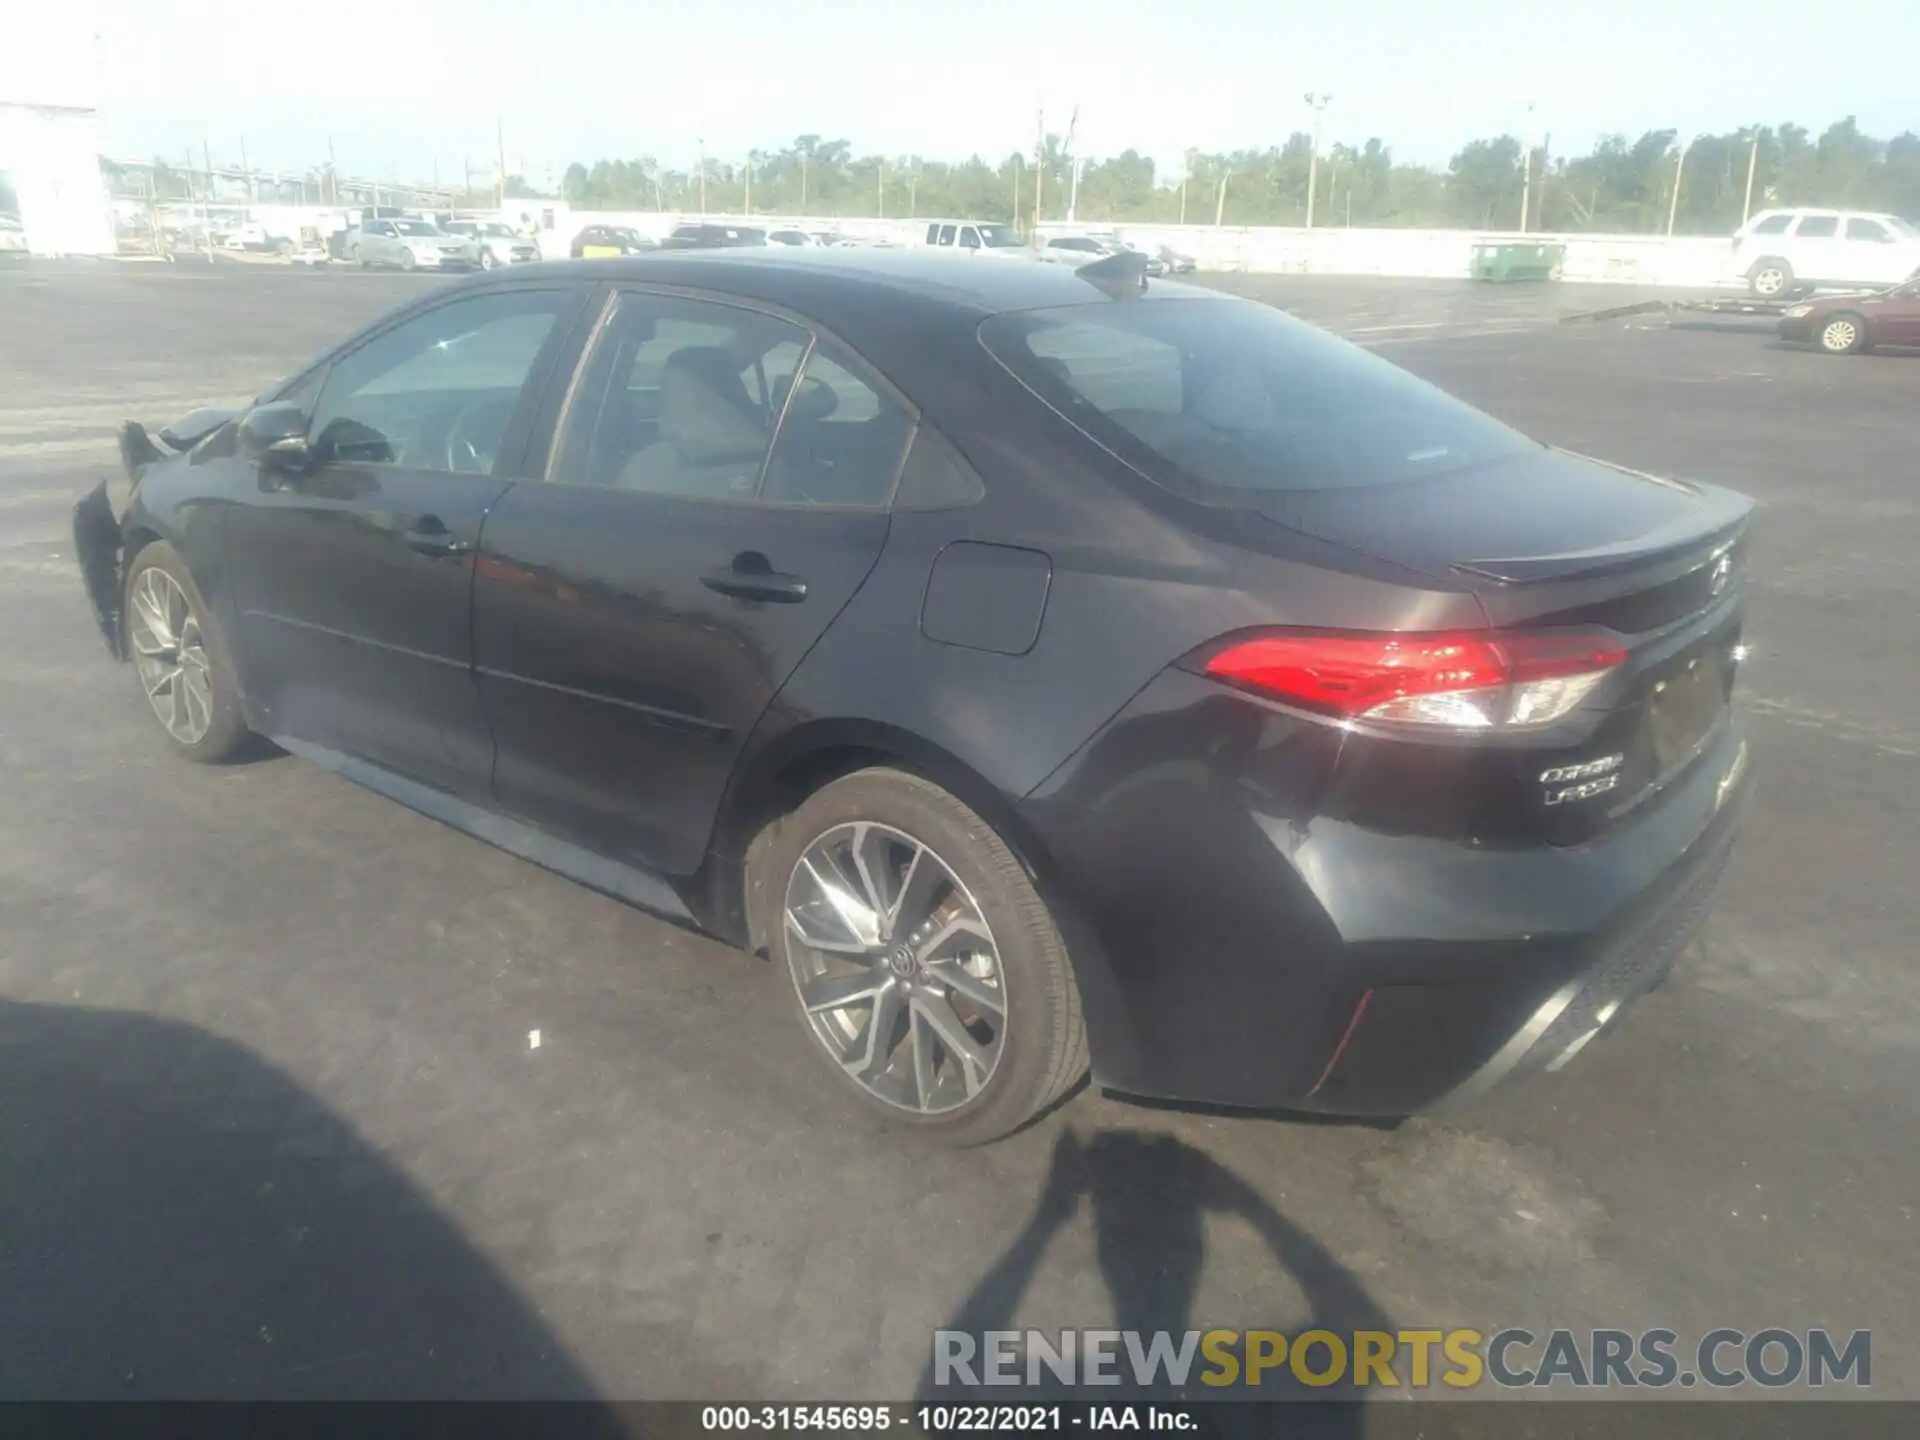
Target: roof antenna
x,y
1118,277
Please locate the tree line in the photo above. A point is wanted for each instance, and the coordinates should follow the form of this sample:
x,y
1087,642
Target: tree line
x,y
1620,186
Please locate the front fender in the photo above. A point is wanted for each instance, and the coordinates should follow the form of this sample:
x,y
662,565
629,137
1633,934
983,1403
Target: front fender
x,y
97,542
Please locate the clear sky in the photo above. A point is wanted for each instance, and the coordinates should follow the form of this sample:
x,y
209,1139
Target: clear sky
x,y
404,86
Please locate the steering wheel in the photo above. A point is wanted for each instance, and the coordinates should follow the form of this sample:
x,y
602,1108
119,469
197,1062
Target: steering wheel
x,y
470,448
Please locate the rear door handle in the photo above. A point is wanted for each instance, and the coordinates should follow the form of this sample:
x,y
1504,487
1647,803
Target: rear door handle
x,y
747,580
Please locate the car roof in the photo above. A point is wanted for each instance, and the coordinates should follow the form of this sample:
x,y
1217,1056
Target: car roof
x,y
818,281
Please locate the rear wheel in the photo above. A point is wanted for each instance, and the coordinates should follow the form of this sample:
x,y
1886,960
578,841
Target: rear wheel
x,y
1770,279
1843,333
181,658
927,969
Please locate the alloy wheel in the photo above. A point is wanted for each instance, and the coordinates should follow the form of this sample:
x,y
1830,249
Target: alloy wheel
x,y
1840,334
1770,281
896,967
170,656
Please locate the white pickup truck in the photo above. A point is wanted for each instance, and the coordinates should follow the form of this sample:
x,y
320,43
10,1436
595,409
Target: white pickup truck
x,y
980,237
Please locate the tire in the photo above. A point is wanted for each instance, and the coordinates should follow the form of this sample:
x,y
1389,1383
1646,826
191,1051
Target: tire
x,y
1037,1050
359,259
487,262
407,262
157,571
1842,333
1770,279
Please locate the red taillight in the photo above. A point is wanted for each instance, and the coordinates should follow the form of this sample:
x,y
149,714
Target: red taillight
x,y
1465,680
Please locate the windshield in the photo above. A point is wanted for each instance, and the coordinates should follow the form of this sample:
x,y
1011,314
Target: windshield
x,y
415,227
1904,227
1228,400
494,227
1000,237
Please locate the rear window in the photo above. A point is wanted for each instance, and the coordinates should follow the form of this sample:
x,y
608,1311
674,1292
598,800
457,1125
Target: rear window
x,y
1229,401
1772,225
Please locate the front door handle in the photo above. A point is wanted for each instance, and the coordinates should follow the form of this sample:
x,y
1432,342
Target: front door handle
x,y
433,538
750,577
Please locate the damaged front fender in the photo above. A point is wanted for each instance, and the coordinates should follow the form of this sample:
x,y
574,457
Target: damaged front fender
x,y
97,541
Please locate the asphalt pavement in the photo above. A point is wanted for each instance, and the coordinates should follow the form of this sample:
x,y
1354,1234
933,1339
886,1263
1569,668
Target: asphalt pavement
x,y
304,1095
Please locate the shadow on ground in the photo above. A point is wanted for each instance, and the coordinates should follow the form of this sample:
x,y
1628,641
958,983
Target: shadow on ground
x,y
180,1220
1149,1198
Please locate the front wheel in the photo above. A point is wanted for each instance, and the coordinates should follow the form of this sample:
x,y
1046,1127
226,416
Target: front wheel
x,y
1843,334
926,967
407,262
487,262
181,658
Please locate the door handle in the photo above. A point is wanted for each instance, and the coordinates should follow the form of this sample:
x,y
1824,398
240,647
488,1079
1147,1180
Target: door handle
x,y
750,577
431,541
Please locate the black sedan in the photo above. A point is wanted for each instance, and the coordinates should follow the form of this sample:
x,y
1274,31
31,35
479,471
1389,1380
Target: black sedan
x,y
610,242
1048,669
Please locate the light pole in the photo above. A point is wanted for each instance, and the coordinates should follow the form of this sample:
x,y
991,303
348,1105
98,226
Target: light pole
x,y
1679,169
1526,170
1753,164
1317,103
702,143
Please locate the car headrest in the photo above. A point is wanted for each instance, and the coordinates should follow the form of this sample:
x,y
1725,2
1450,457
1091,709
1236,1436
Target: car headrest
x,y
704,409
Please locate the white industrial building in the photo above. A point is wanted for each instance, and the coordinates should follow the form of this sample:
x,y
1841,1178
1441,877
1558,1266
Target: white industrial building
x,y
50,137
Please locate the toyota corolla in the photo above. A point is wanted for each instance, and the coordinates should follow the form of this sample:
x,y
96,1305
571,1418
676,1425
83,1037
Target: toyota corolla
x,y
1049,670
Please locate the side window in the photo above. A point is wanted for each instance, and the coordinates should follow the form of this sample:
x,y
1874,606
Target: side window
x,y
1872,231
969,238
1772,225
1117,371
946,235
678,397
437,391
841,441
1818,227
933,234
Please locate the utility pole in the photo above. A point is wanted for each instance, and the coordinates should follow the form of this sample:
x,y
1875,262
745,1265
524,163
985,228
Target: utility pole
x,y
1039,167
1679,169
913,190
880,187
1753,164
1316,102
748,201
1183,196
1073,165
1220,206
1526,171
500,145
246,169
206,206
702,143
1018,180
803,182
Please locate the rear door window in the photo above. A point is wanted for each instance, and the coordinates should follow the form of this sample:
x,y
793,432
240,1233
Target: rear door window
x,y
1772,225
1229,401
1818,227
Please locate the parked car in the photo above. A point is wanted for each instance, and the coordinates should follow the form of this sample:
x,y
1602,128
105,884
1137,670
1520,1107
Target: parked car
x,y
1076,249
411,245
13,236
1044,670
1175,262
1848,324
712,237
1779,252
789,235
981,237
498,242
607,242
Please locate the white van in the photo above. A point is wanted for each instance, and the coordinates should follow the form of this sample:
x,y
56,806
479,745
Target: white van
x,y
1780,251
980,237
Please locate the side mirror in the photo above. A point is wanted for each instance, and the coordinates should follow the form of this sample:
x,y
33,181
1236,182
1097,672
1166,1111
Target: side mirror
x,y
275,436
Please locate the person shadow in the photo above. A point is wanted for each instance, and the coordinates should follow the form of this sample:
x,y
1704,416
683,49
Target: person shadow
x,y
1149,1197
179,1220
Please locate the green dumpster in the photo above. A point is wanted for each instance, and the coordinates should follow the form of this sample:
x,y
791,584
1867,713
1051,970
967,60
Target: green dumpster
x,y
1506,260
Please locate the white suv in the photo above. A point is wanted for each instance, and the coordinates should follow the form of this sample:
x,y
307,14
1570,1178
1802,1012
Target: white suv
x,y
1779,251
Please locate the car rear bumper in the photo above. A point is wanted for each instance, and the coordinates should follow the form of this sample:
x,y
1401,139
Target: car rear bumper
x,y
1236,946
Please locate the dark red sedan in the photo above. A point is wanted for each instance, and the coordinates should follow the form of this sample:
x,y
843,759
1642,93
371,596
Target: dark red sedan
x,y
1844,324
